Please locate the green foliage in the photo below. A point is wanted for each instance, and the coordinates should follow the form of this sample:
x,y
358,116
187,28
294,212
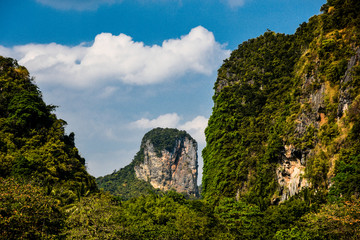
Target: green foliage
x,y
170,216
238,219
334,53
94,217
33,143
293,234
339,14
283,216
26,212
336,70
270,94
166,217
333,221
163,139
328,132
246,130
124,183
347,168
27,110
307,140
262,92
347,179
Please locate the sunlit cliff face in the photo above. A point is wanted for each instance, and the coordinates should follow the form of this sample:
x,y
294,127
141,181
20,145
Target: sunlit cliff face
x,y
173,170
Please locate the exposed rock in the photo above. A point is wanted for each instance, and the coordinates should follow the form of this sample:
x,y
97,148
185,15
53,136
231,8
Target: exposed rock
x,y
315,100
175,169
290,174
222,83
292,168
344,96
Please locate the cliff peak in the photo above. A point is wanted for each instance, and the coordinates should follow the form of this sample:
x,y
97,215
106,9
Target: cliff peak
x,y
167,160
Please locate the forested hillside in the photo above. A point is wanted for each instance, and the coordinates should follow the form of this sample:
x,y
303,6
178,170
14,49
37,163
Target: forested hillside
x,y
40,167
281,161
286,103
123,183
33,143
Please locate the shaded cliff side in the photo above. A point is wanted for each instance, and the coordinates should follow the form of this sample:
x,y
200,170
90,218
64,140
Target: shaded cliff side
x,y
286,110
167,160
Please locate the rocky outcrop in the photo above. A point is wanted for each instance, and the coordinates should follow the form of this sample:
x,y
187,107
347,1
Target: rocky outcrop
x,y
291,170
170,168
290,174
344,96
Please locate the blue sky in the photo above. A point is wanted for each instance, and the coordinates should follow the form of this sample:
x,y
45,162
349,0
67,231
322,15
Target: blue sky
x,y
118,68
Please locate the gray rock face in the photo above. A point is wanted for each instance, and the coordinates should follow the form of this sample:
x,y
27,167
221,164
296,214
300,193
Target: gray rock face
x,y
176,169
344,96
290,174
291,171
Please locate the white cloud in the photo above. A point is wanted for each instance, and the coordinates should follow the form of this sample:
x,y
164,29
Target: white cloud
x,y
170,120
195,127
5,52
118,58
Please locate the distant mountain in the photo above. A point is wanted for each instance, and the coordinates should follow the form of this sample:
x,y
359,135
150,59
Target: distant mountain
x,y
167,160
286,113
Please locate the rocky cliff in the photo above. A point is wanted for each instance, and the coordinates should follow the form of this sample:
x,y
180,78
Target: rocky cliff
x,y
174,168
167,160
285,113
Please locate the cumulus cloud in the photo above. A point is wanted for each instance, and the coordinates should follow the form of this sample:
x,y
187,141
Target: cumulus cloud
x,y
170,120
119,58
195,127
5,51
